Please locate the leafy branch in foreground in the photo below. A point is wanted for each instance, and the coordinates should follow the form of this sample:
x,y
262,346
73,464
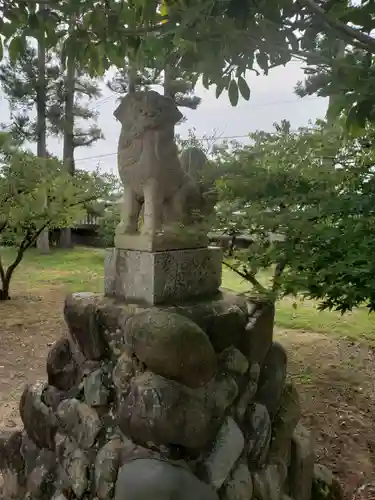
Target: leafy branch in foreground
x,y
217,40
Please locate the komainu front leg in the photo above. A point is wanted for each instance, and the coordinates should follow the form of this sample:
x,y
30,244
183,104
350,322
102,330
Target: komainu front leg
x,y
130,208
152,216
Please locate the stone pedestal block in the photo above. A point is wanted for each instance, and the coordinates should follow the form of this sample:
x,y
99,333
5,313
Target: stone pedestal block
x,y
163,242
162,277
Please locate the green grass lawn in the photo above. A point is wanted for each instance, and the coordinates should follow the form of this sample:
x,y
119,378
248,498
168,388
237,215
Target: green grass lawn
x,y
81,269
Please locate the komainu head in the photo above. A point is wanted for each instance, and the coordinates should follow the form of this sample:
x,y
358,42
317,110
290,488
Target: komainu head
x,y
141,111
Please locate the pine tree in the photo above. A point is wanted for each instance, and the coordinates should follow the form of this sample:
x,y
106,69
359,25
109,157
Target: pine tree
x,y
19,82
58,103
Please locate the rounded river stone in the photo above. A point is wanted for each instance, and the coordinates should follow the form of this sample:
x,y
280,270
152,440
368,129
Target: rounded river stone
x,y
62,368
38,419
272,379
165,412
258,436
144,479
171,345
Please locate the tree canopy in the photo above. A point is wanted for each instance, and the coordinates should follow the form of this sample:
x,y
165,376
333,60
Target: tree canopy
x,y
26,182
307,198
19,82
218,40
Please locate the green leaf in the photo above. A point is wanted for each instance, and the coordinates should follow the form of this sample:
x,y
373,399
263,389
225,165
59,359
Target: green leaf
x,y
356,118
262,60
334,109
292,39
233,93
8,30
1,50
16,47
221,85
34,22
243,88
115,57
219,89
205,81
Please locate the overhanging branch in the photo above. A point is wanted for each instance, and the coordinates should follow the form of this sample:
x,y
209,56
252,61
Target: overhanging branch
x,y
366,40
248,277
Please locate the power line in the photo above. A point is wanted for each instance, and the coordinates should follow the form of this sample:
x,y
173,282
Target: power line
x,y
102,101
229,137
108,98
198,138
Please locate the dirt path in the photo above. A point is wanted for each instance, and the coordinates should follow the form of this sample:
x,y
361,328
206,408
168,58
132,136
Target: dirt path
x,y
336,380
29,325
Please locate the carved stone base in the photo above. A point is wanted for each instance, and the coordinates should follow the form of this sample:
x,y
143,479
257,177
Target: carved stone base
x,y
171,276
162,242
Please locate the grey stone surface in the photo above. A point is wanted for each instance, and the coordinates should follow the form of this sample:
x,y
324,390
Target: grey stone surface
x,y
29,452
58,495
249,392
52,396
106,467
268,483
171,345
38,419
272,378
164,412
301,470
227,449
74,464
284,425
80,314
163,242
96,323
162,277
232,360
223,390
258,435
40,482
146,479
259,330
240,484
79,421
223,317
159,195
123,373
96,392
62,369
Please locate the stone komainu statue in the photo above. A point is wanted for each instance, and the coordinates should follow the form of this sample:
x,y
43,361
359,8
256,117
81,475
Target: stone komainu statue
x,y
156,182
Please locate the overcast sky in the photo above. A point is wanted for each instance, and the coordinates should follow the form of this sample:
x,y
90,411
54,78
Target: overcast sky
x,y
272,100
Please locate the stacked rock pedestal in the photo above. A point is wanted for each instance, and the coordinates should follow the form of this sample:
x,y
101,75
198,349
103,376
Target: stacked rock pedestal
x,y
172,401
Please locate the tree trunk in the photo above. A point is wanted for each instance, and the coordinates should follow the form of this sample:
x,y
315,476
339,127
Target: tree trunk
x,y
132,76
68,151
168,81
41,98
340,53
4,291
